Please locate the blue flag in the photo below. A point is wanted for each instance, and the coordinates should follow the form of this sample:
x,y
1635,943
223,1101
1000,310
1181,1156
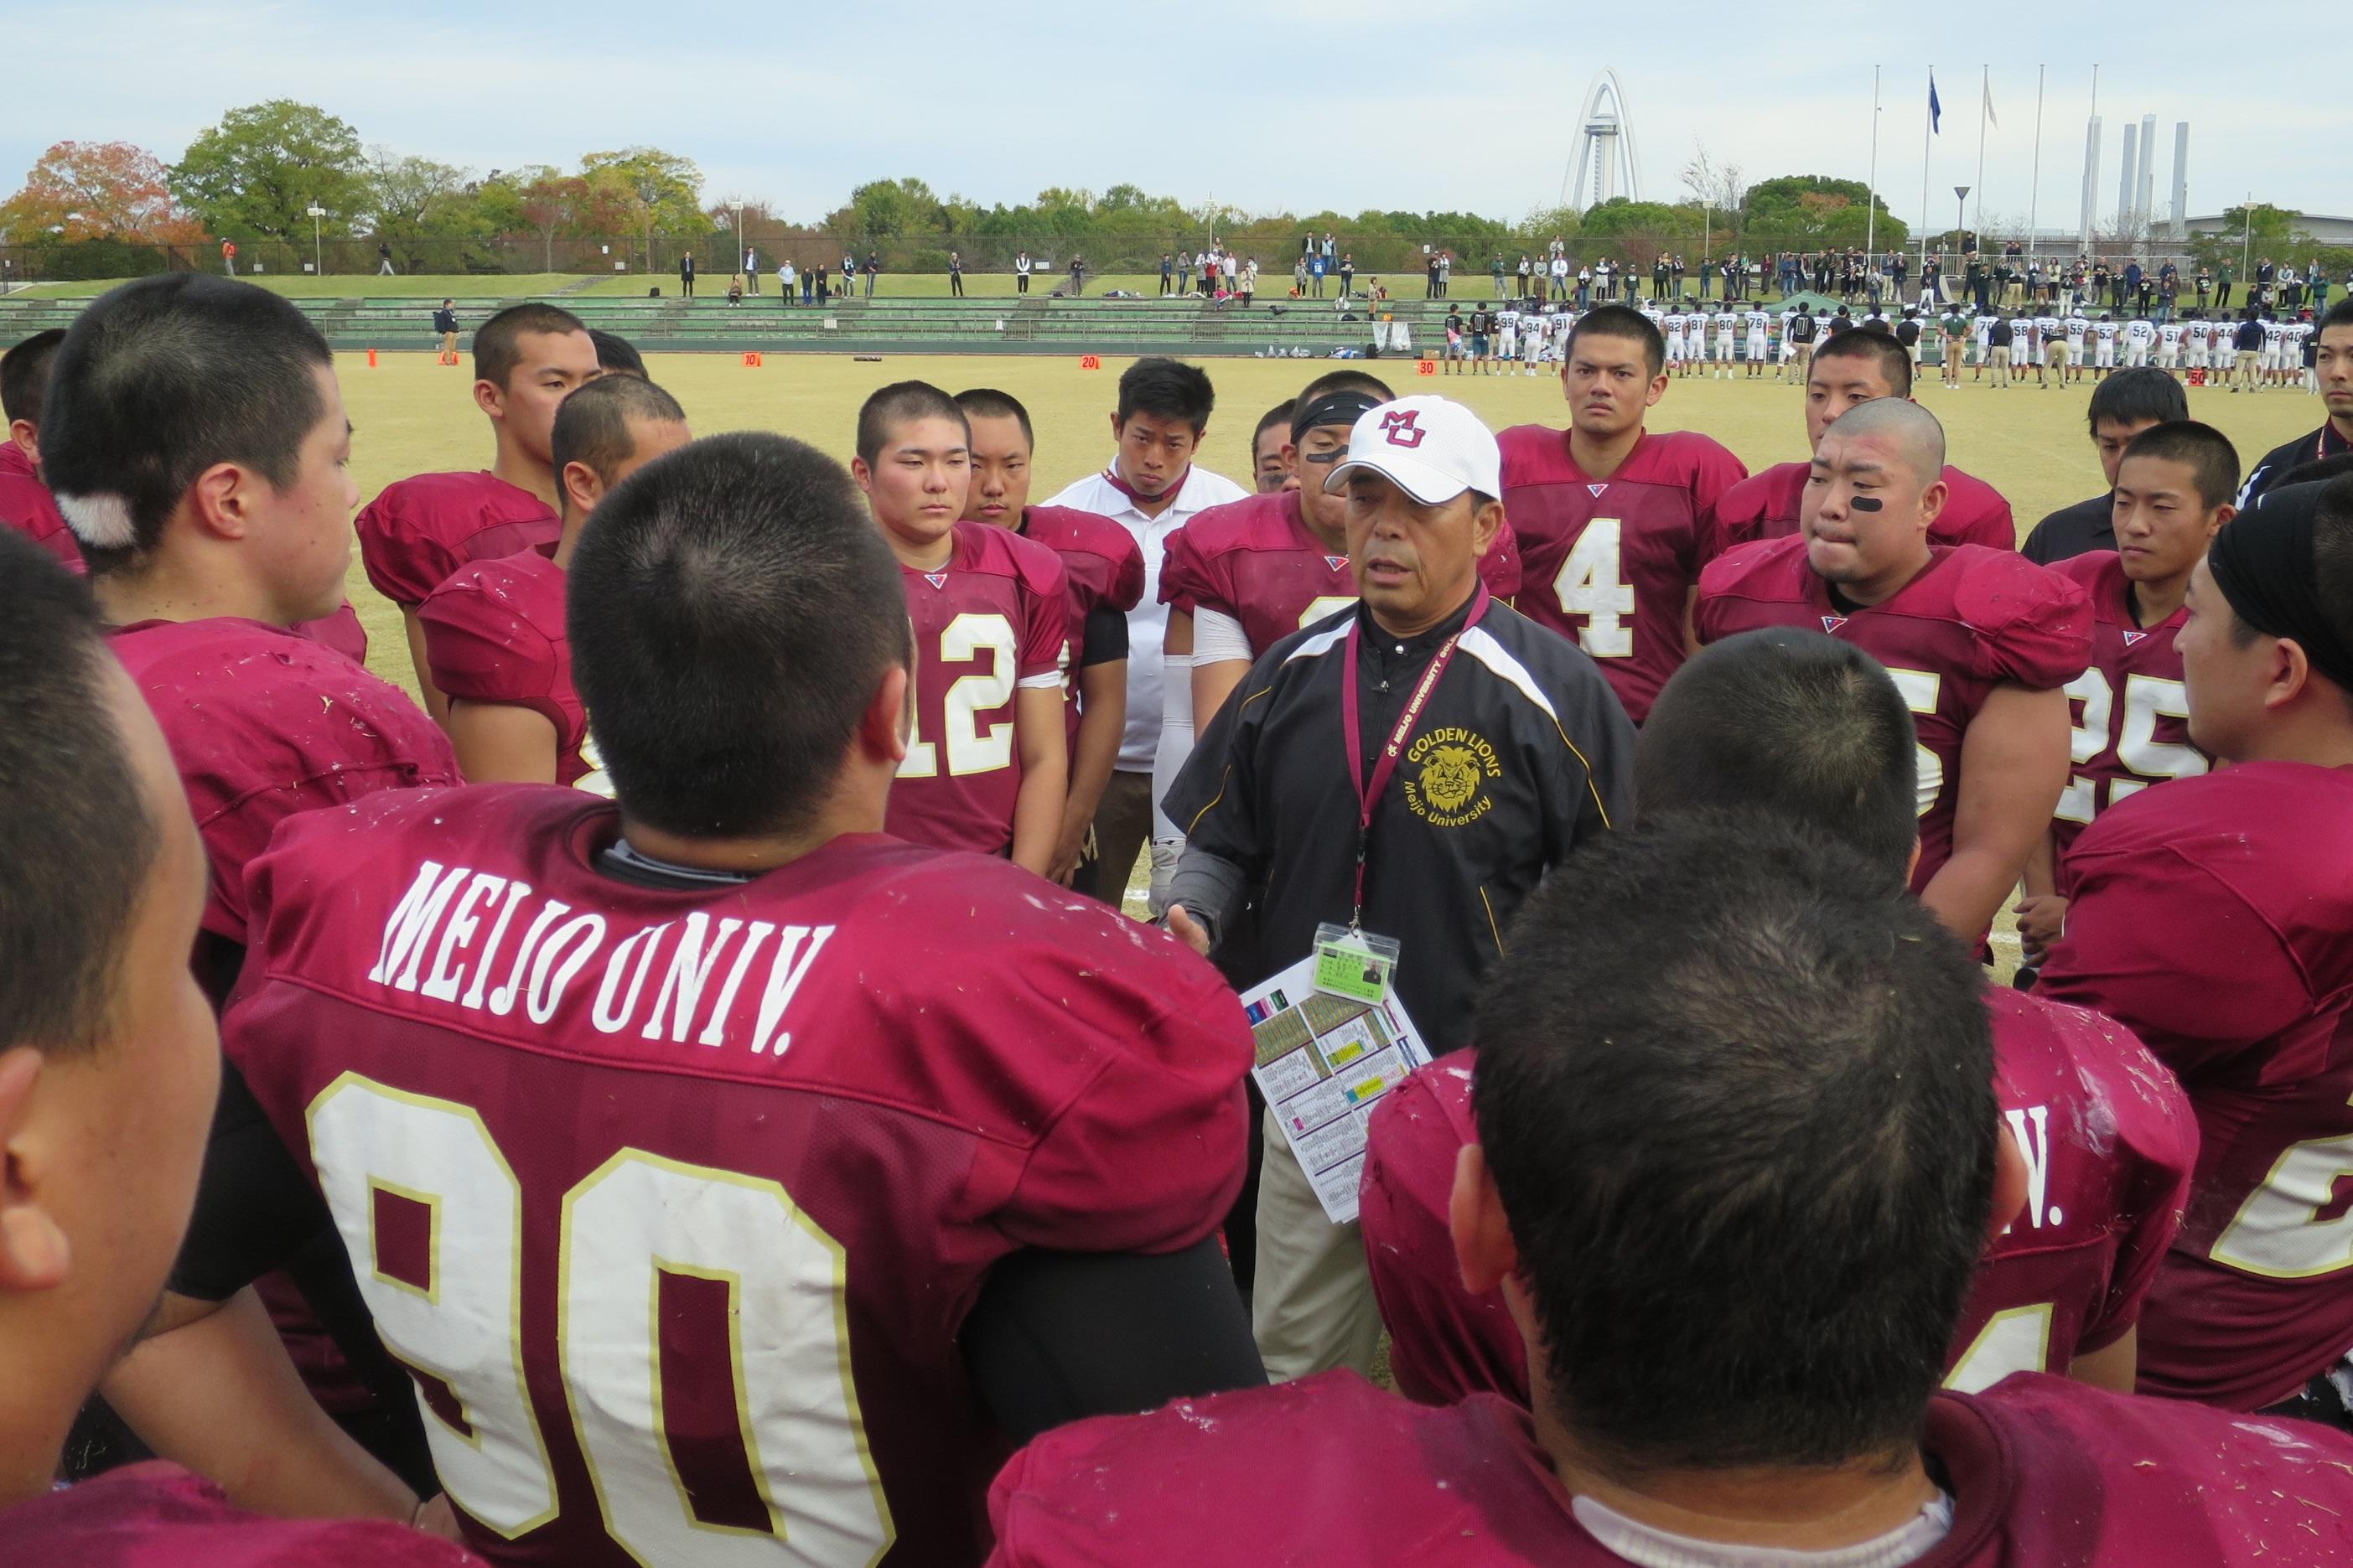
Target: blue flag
x,y
1936,110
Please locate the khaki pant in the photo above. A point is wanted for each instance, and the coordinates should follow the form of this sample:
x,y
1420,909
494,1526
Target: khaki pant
x,y
2246,364
1311,1306
1123,822
2000,365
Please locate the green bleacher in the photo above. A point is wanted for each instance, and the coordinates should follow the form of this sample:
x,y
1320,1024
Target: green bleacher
x,y
1036,325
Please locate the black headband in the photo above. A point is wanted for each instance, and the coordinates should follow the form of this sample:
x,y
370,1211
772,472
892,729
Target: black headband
x,y
2262,561
1345,407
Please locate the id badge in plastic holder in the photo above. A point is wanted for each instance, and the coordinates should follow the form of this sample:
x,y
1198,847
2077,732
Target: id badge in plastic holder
x,y
1355,964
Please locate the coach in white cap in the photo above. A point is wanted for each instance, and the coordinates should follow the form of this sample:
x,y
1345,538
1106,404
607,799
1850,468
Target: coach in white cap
x,y
1413,766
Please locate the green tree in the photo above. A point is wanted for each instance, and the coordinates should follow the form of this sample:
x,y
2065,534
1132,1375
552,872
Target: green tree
x,y
263,166
2249,232
412,201
1620,218
886,210
1808,212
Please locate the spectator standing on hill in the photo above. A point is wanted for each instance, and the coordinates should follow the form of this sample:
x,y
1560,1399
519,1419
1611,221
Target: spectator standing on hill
x,y
786,281
383,261
1021,273
686,274
873,270
1316,268
955,275
751,269
1167,275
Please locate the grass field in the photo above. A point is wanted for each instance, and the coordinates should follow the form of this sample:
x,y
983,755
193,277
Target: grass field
x,y
413,415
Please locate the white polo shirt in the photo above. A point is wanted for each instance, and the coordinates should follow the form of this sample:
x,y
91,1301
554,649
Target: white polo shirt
x,y
1147,624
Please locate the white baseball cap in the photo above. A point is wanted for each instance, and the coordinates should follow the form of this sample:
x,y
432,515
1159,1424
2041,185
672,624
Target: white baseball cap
x,y
1432,448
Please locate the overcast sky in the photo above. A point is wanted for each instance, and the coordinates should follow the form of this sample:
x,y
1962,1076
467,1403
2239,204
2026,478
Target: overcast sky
x,y
1349,103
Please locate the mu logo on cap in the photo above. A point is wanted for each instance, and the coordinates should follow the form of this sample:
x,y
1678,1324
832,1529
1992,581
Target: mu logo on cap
x,y
1402,427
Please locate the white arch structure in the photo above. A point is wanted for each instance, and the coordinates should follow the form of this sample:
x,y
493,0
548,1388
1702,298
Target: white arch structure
x,y
1605,164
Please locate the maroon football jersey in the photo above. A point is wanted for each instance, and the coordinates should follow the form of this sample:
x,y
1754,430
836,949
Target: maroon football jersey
x,y
996,617
1973,619
2108,1142
1610,564
2214,919
2130,709
157,1515
676,1199
1257,561
1764,506
2043,1473
26,506
341,631
494,633
264,722
1104,566
424,528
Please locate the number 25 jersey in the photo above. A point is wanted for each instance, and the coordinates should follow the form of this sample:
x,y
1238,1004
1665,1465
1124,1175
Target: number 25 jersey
x,y
2130,709
1610,564
674,1198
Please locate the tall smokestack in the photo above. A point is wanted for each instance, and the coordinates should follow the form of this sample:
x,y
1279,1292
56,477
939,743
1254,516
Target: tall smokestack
x,y
2181,180
2145,203
2124,185
2090,220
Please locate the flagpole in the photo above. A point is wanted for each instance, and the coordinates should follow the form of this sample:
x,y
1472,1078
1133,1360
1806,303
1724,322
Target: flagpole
x,y
2034,201
1927,126
1871,219
1985,102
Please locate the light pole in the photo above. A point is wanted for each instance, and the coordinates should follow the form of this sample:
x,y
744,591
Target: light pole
x,y
316,212
1960,211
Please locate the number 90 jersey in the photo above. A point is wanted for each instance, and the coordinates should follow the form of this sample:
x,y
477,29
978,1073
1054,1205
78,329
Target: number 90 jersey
x,y
1973,619
995,619
2130,709
1257,561
1610,564
674,1198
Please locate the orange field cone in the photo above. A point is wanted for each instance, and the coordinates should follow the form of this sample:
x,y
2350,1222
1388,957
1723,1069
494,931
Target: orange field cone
x,y
371,359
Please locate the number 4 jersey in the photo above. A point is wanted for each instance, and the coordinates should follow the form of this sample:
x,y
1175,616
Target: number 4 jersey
x,y
2130,708
1610,564
995,619
674,1195
2214,919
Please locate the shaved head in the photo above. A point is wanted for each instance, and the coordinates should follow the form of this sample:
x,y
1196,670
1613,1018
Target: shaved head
x,y
1909,432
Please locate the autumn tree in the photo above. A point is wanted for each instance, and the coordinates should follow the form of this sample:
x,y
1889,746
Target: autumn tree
x,y
98,190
